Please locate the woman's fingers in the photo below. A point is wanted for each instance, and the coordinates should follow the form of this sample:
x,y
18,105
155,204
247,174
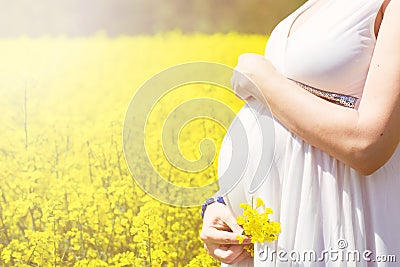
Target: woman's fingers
x,y
218,216
240,84
212,235
230,220
245,255
230,254
249,76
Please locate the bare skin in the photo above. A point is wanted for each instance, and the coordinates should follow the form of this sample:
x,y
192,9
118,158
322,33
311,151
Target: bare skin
x,y
219,235
355,137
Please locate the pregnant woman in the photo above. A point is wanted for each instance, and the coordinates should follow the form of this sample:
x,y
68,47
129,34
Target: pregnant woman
x,y
331,78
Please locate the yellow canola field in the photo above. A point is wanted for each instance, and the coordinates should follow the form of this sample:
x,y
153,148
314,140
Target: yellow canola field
x,y
67,197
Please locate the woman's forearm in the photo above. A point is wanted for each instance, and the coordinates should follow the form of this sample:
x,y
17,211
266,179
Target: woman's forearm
x,y
332,128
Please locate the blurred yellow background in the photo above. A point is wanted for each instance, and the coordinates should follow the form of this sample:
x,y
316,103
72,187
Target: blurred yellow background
x,y
68,71
128,17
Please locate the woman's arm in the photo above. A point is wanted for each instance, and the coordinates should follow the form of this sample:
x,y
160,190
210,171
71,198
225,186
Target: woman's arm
x,y
365,138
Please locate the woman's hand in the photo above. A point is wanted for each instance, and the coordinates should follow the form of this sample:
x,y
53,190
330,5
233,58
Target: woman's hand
x,y
219,234
250,75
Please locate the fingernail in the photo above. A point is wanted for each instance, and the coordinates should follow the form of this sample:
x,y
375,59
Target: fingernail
x,y
247,240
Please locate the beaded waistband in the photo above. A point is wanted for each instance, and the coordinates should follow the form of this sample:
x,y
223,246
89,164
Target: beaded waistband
x,y
339,99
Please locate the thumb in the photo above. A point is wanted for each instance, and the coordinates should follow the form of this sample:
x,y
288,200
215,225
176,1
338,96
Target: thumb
x,y
230,220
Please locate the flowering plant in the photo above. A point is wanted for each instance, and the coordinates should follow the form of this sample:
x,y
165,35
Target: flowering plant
x,y
257,225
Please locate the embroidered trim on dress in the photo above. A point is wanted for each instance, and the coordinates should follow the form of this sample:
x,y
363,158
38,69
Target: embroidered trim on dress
x,y
339,99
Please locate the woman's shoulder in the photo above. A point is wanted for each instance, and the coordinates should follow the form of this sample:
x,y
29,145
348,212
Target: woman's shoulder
x,y
394,4
389,6
379,16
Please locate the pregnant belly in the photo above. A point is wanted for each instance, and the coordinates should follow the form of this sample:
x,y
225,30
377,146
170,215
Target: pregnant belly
x,y
246,156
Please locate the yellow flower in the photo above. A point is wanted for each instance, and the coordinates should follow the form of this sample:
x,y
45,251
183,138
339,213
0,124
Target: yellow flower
x,y
240,220
260,203
257,225
240,238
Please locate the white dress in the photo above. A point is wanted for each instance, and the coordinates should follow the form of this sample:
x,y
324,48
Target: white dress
x,y
323,205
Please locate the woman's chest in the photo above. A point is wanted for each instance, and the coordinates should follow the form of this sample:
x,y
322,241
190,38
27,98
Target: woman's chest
x,y
331,50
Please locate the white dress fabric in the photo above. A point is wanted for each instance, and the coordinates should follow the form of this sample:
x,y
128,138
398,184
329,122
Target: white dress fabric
x,y
323,205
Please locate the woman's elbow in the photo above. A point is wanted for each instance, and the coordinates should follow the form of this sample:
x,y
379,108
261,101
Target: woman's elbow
x,y
370,155
367,169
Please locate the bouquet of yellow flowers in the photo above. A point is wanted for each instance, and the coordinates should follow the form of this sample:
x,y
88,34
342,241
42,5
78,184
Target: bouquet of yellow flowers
x,y
257,225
